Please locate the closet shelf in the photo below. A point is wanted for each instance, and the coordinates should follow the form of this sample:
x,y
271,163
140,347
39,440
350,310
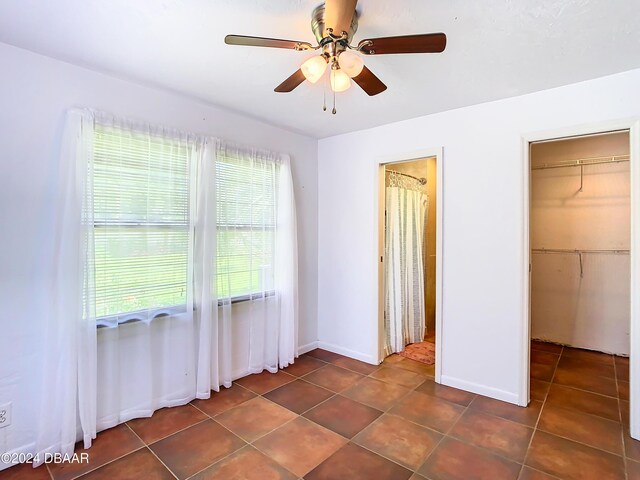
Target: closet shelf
x,y
582,162
580,253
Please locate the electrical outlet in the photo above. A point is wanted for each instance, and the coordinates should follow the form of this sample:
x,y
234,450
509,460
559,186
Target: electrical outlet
x,y
5,415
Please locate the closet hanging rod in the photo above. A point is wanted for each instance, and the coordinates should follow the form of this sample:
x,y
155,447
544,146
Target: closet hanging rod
x,y
579,251
423,181
583,161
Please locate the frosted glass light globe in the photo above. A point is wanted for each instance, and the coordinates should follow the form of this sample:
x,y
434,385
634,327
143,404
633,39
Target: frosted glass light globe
x,y
351,63
340,81
314,68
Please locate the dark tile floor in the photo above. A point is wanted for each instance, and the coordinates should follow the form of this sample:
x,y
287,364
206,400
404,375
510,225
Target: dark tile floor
x,y
329,417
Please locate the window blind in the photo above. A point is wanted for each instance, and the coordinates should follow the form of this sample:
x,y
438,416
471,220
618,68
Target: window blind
x,y
246,221
141,222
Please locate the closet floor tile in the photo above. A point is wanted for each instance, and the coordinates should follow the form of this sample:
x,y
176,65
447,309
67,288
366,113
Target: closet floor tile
x,y
546,347
587,367
582,427
539,389
544,358
592,383
574,461
542,371
588,355
587,402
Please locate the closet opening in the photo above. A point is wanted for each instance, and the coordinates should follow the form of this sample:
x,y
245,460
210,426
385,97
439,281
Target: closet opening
x,y
409,261
580,289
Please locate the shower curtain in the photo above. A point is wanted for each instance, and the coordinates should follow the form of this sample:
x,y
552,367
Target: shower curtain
x,y
406,214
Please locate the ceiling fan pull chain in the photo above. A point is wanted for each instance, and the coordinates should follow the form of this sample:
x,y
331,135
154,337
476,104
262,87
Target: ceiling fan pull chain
x,y
324,96
334,111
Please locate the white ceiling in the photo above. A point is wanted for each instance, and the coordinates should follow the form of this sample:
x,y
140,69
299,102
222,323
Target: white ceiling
x,y
496,49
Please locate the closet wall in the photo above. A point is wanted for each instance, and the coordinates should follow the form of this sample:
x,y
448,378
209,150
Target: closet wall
x,y
426,168
589,311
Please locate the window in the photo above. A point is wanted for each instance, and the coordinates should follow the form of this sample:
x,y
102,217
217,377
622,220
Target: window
x,y
246,188
141,223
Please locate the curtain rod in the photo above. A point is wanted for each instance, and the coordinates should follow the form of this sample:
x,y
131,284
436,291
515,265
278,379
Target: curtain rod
x,y
423,181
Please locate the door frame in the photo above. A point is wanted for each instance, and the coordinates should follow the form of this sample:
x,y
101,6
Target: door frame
x,y
381,163
633,126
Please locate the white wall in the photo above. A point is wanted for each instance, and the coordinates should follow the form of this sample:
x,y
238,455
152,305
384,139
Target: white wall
x,y
588,309
35,92
483,225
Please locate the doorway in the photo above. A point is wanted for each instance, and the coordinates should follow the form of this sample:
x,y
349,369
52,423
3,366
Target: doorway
x,y
410,236
581,277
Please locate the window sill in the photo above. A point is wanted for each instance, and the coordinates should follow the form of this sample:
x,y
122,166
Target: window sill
x,y
139,316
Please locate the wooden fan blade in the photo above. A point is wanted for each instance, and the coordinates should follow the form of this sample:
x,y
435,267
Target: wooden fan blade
x,y
338,15
369,82
290,83
266,42
427,43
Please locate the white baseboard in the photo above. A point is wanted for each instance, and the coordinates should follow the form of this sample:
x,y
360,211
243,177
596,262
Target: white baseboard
x,y
348,353
29,448
490,392
307,348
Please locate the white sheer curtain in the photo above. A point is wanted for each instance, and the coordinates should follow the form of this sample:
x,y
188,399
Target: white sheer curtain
x,y
253,321
160,296
68,404
406,210
144,203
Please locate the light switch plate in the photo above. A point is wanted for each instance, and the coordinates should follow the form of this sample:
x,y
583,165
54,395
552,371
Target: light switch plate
x,y
5,415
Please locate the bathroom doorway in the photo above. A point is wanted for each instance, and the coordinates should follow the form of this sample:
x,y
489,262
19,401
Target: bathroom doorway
x,y
410,259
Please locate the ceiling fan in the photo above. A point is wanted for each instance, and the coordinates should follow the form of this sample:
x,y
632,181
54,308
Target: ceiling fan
x,y
334,23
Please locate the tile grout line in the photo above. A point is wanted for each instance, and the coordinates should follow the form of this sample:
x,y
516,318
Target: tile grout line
x,y
110,461
625,460
152,452
544,402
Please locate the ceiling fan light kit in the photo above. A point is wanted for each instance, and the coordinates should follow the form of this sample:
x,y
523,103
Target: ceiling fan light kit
x,y
334,24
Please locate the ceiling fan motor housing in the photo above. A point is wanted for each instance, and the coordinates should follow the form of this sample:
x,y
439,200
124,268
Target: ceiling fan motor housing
x,y
332,43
